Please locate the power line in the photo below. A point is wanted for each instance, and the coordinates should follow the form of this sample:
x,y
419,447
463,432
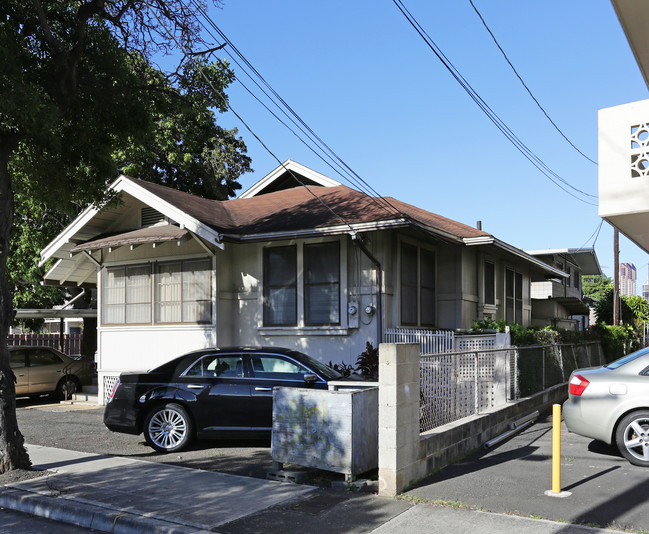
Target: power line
x,y
595,233
341,167
229,106
525,85
498,122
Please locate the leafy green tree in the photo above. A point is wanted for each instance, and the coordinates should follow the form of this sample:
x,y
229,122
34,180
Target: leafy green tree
x,y
596,286
633,310
80,99
639,306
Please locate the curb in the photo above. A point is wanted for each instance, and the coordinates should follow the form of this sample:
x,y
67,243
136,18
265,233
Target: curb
x,y
88,515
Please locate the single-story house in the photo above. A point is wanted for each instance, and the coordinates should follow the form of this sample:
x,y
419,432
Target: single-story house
x,y
299,260
560,302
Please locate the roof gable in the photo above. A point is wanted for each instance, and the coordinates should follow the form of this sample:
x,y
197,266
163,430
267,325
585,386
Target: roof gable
x,y
329,208
288,175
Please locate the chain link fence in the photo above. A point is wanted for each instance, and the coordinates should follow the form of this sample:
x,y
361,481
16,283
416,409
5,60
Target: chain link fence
x,y
458,384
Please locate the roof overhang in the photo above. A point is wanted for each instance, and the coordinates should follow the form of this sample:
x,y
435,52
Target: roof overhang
x,y
58,248
538,264
585,259
75,249
622,200
573,306
633,16
55,314
351,228
153,235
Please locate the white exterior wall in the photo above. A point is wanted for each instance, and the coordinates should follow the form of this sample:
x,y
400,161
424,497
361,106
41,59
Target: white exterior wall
x,y
238,312
141,347
241,296
624,198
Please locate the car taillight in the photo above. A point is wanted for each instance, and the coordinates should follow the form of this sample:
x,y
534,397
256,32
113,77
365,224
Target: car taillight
x,y
112,393
577,385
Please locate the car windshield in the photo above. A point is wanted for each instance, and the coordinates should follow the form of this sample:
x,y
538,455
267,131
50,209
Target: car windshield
x,y
324,370
628,358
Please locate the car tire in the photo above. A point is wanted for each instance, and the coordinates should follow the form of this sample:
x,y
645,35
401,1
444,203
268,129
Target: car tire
x,y
168,428
67,386
632,437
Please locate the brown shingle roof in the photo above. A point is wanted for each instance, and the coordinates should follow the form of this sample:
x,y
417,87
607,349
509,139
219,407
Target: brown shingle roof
x,y
300,208
153,234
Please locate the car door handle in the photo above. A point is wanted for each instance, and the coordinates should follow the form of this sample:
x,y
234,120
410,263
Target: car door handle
x,y
263,389
195,386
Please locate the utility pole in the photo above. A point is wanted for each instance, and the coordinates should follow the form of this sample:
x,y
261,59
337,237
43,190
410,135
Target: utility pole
x,y
616,277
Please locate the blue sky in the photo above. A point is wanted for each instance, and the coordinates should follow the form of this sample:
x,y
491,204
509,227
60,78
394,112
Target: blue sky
x,y
366,83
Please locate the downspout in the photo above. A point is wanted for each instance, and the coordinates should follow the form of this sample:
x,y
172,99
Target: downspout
x,y
358,241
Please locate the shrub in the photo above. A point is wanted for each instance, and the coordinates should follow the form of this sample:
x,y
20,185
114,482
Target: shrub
x,y
367,364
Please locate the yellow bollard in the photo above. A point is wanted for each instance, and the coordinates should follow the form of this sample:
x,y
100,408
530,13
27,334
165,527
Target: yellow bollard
x,y
556,454
556,448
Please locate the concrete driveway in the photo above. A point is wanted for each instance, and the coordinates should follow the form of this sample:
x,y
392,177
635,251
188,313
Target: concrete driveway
x,y
606,490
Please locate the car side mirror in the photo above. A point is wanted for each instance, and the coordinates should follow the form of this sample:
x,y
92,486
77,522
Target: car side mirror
x,y
309,380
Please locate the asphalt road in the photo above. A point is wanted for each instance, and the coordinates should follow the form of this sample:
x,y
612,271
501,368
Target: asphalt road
x,y
80,427
604,489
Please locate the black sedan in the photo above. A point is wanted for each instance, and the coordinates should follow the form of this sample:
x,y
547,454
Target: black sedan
x,y
208,394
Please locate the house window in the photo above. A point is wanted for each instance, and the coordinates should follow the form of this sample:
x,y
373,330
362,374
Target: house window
x,y
126,295
417,286
183,293
489,283
513,297
575,280
322,284
318,289
280,286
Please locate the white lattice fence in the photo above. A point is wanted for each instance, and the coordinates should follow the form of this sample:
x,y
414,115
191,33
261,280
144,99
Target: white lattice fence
x,y
109,382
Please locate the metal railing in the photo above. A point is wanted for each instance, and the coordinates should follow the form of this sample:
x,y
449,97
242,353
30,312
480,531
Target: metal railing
x,y
429,341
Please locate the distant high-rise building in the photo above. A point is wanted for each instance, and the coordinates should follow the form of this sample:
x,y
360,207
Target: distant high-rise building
x,y
645,289
627,279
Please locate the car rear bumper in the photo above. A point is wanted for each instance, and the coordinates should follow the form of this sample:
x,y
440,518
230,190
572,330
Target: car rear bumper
x,y
121,417
580,420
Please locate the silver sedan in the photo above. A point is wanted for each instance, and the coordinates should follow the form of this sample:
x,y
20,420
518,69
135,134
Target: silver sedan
x,y
611,404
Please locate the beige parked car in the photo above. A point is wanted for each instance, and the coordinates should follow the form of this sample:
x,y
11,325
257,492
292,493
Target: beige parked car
x,y
42,370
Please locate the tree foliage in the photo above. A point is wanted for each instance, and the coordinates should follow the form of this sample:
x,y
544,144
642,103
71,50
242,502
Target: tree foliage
x,y
82,98
596,286
633,310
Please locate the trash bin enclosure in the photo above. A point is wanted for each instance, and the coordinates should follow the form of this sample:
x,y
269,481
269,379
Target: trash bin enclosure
x,y
329,430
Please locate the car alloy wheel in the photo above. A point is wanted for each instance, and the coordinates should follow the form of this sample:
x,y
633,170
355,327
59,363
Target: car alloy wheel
x,y
168,428
67,386
632,437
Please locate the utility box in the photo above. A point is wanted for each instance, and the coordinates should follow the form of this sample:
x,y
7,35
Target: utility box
x,y
329,430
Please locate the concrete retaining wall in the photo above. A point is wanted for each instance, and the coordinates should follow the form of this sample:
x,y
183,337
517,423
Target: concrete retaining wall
x,y
405,455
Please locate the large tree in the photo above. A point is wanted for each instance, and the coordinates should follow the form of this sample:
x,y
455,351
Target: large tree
x,y
596,286
82,98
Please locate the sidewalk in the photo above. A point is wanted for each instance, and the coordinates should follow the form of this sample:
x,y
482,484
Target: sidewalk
x,y
125,496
